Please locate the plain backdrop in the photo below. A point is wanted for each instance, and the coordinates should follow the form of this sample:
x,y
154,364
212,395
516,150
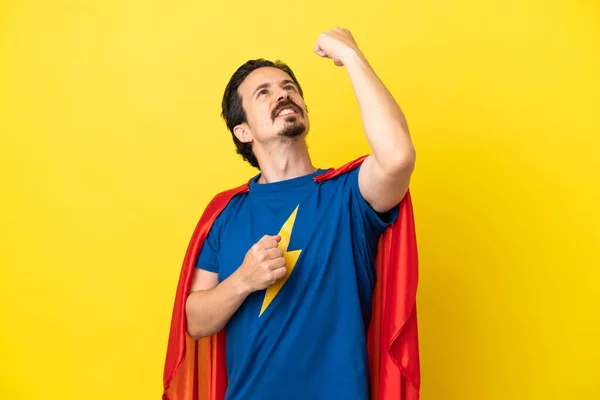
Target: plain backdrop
x,y
112,145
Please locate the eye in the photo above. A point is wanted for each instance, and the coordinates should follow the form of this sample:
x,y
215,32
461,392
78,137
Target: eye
x,y
263,91
290,87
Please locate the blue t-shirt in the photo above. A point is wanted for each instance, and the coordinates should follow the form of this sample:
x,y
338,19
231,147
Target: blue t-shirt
x,y
309,340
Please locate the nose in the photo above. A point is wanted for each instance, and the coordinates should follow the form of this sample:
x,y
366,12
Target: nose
x,y
282,95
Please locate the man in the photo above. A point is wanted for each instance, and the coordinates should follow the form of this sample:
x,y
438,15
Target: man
x,y
287,267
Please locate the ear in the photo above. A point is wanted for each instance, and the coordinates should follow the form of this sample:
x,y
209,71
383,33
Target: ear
x,y
242,132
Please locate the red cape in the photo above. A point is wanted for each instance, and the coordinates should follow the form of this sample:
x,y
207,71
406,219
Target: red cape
x,y
196,370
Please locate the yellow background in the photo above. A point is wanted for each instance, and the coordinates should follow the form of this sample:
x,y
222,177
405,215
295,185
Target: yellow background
x,y
110,131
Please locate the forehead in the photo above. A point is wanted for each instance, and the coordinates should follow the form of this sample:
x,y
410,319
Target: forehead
x,y
260,76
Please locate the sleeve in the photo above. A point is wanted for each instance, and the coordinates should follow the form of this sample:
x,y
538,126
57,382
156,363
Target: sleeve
x,y
372,223
208,259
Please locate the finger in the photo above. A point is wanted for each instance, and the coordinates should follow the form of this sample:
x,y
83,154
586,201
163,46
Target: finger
x,y
275,263
269,241
274,237
269,244
272,254
319,50
279,273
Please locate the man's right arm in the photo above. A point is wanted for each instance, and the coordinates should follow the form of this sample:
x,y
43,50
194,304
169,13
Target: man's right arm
x,y
211,304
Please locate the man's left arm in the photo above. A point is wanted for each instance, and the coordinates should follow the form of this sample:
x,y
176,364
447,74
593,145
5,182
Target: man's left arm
x,y
385,174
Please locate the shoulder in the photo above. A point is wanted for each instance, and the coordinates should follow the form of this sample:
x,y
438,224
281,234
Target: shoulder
x,y
221,202
342,171
342,178
223,198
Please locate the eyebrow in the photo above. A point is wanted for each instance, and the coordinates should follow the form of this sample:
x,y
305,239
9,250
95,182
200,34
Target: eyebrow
x,y
266,85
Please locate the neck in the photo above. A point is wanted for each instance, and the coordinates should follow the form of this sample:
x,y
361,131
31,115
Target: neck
x,y
285,161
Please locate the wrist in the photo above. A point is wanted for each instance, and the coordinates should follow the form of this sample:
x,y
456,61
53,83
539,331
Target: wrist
x,y
353,57
240,285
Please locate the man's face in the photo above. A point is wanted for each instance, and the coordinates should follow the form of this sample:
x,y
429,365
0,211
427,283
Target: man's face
x,y
273,105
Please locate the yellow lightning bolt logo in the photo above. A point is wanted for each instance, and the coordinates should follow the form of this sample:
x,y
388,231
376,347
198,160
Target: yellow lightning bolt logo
x,y
291,257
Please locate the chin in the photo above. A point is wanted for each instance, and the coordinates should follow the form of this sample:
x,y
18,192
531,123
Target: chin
x,y
293,130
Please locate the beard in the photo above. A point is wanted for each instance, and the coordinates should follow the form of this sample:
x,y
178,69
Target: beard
x,y
293,128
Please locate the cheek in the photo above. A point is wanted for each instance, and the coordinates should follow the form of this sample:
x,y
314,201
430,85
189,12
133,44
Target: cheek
x,y
260,115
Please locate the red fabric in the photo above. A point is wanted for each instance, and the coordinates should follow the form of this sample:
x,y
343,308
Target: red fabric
x,y
195,370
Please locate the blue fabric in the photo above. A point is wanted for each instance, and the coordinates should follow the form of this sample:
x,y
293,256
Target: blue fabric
x,y
310,342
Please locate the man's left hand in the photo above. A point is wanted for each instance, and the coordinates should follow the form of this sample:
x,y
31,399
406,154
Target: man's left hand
x,y
337,44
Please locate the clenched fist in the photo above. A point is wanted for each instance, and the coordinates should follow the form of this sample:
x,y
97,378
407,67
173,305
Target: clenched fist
x,y
337,44
263,264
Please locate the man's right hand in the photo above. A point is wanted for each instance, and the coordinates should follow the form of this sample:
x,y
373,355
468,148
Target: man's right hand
x,y
263,265
211,304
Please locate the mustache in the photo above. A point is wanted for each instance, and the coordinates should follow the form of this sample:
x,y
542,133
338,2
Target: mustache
x,y
286,103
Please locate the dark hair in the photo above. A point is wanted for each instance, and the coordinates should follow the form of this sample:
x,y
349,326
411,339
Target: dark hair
x,y
232,109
